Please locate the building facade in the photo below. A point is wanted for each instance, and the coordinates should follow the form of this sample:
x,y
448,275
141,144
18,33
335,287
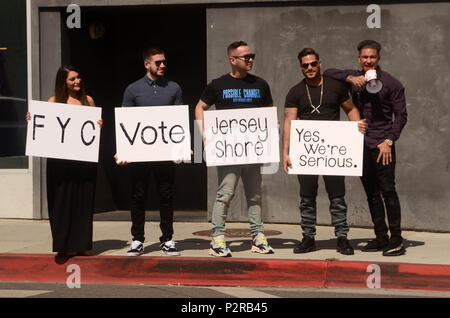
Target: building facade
x,y
106,46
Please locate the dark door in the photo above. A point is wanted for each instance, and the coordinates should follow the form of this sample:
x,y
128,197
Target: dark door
x,y
107,48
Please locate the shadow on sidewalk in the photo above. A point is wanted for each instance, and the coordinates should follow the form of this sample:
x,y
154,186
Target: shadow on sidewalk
x,y
98,247
101,246
277,243
234,245
240,245
357,244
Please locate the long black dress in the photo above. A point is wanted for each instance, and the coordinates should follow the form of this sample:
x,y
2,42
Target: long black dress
x,y
70,195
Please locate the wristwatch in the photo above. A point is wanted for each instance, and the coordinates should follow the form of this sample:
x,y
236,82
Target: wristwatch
x,y
389,142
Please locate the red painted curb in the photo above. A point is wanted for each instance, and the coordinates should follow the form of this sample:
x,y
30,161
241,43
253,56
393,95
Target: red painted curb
x,y
223,272
392,275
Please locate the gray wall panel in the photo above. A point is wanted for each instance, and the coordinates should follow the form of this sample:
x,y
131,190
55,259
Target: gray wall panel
x,y
415,51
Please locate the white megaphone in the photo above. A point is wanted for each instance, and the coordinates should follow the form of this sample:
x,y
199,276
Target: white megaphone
x,y
373,85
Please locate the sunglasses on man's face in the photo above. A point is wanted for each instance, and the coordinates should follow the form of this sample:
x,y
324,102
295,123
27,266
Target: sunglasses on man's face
x,y
158,63
246,57
313,64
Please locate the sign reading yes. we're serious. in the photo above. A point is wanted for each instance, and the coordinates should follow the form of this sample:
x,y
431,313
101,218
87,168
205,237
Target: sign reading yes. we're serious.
x,y
63,131
153,133
241,136
319,147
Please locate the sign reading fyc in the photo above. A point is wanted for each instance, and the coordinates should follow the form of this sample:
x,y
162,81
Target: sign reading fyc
x,y
63,131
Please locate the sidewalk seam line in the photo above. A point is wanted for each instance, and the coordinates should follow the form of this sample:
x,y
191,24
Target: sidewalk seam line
x,y
325,283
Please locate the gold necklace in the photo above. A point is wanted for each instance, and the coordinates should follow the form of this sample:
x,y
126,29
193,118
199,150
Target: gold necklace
x,y
309,97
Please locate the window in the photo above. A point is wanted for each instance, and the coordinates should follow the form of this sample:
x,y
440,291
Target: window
x,y
13,84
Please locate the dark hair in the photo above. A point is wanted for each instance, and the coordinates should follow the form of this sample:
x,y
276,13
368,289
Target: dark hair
x,y
150,51
235,45
61,91
307,51
369,44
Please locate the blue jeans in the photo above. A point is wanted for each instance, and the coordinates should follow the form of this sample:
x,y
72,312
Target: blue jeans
x,y
228,177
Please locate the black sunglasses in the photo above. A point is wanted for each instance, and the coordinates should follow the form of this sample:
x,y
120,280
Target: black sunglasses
x,y
246,57
313,64
158,63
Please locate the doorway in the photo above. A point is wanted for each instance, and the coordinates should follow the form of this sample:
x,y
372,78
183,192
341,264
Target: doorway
x,y
108,50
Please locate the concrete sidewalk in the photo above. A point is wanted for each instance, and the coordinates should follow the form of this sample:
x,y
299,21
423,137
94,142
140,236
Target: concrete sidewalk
x,y
26,255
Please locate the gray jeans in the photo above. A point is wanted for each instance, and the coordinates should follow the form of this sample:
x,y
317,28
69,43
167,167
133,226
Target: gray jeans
x,y
228,177
335,186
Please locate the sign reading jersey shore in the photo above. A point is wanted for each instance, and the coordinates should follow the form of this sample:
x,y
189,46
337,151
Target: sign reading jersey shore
x,y
326,148
153,133
63,131
241,136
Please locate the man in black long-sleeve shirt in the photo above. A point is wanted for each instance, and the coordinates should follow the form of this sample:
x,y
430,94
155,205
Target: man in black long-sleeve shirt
x,y
386,116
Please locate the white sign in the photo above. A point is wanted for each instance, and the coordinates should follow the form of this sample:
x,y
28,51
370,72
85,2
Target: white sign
x,y
241,136
153,133
63,131
326,148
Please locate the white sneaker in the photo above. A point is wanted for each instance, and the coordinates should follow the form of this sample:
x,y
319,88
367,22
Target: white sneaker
x,y
260,245
169,249
136,249
219,247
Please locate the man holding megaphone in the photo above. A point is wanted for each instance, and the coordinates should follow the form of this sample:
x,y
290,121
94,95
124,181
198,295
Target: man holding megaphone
x,y
381,100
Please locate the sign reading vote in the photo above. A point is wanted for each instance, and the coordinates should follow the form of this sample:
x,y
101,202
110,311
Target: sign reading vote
x,y
241,136
63,131
153,133
326,148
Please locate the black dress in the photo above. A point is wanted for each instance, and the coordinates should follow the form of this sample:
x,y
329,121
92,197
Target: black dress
x,y
70,195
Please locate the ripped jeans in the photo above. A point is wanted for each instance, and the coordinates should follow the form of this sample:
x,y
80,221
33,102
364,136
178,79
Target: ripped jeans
x,y
228,178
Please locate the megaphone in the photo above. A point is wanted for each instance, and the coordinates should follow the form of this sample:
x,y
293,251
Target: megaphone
x,y
373,85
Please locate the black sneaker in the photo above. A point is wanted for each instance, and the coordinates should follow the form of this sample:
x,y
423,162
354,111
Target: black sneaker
x,y
376,245
395,248
344,247
308,244
136,249
169,249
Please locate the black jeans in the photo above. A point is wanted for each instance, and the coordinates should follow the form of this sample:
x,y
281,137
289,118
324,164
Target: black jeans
x,y
379,185
335,186
163,173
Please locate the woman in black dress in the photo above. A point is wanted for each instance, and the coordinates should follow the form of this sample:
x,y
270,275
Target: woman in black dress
x,y
71,184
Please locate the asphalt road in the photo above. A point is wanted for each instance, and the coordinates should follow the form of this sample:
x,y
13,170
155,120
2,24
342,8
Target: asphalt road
x,y
61,290
178,301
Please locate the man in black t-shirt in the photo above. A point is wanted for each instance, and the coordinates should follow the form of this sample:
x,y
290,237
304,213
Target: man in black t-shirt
x,y
228,92
318,97
235,90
